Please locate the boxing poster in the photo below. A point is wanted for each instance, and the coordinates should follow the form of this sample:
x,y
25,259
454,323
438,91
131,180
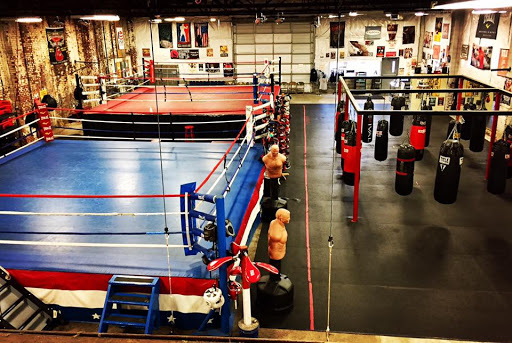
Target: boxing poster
x,y
337,31
481,57
503,62
183,35
57,45
409,35
165,35
488,25
202,39
439,30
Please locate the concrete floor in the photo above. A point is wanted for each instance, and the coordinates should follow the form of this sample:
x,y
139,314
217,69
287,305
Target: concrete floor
x,y
410,267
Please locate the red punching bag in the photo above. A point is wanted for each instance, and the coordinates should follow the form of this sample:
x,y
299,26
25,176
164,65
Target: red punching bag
x,y
350,150
381,141
404,179
508,138
418,132
449,166
500,156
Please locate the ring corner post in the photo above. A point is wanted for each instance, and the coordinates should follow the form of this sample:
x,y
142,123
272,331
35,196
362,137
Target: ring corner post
x,y
255,88
497,100
250,126
223,274
280,72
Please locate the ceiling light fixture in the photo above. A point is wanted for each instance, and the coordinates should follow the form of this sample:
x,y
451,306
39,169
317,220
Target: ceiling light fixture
x,y
420,14
104,17
483,11
29,20
353,14
156,21
474,4
213,19
179,19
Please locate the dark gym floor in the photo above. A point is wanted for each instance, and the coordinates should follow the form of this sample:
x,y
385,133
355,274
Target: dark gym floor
x,y
410,266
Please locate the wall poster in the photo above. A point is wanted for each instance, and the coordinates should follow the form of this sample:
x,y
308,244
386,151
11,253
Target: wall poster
x,y
409,35
183,30
488,25
439,29
165,35
503,62
481,57
337,30
464,51
57,48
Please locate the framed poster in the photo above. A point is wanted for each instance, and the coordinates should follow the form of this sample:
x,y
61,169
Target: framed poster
x,y
380,51
337,34
183,30
503,62
165,35
464,51
409,35
202,39
57,48
223,51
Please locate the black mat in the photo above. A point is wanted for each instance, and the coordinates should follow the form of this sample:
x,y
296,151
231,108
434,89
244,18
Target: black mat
x,y
410,266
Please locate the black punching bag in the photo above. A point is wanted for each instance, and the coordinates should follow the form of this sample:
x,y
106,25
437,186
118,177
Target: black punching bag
x,y
466,127
500,157
345,126
418,131
367,133
350,160
449,167
396,121
508,137
404,179
456,135
337,134
476,143
381,141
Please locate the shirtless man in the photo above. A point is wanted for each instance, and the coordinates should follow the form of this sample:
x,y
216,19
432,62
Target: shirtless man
x,y
274,162
277,237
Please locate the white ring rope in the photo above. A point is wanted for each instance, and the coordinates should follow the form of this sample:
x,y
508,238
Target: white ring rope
x,y
19,128
90,245
86,214
149,123
23,147
147,139
237,170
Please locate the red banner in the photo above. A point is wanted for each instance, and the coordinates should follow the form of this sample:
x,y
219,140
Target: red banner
x,y
45,124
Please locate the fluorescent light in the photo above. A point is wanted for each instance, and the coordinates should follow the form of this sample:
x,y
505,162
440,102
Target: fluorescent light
x,y
179,19
29,20
420,14
502,12
353,14
388,14
483,11
156,21
213,19
104,17
474,4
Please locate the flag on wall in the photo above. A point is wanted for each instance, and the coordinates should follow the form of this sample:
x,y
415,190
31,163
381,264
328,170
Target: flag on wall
x,y
337,35
201,35
183,35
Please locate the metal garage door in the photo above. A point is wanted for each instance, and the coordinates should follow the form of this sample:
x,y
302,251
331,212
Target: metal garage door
x,y
293,42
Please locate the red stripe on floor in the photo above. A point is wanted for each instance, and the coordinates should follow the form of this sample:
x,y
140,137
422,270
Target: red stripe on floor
x,y
311,307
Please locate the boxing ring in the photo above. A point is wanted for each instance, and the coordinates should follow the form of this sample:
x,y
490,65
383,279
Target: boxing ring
x,y
75,212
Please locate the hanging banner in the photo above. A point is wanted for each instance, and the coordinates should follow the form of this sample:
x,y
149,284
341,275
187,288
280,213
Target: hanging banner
x,y
202,40
183,54
120,38
57,45
409,35
481,57
372,32
337,30
488,25
165,35
183,35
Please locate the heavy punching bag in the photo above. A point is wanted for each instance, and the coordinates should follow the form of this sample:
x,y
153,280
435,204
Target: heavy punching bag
x,y
404,179
476,143
465,132
396,121
451,156
337,134
381,141
345,126
508,137
456,134
350,150
428,118
418,131
500,156
367,134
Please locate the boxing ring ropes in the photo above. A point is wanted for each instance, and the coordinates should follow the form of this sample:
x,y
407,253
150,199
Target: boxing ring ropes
x,y
192,201
352,110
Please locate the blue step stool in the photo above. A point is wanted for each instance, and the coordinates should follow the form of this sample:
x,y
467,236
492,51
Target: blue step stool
x,y
125,290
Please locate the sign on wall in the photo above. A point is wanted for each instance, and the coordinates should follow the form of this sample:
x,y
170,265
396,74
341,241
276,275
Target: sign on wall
x,y
120,38
488,25
183,30
372,32
57,48
202,39
464,51
165,35
337,34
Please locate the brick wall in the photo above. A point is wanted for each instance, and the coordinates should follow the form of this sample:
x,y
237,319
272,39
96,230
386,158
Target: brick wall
x,y
25,67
